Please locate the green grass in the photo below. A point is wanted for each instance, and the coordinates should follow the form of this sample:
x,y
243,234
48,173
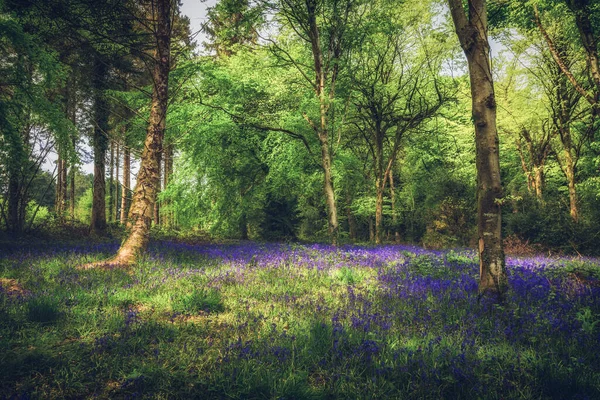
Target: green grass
x,y
308,325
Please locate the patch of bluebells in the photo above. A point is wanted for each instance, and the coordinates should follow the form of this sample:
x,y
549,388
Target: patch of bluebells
x,y
416,316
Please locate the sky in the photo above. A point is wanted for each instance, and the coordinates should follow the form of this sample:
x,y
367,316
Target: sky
x,y
196,12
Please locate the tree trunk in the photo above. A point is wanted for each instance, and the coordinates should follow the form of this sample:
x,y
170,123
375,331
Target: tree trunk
x,y
393,199
58,197
111,187
371,230
321,129
156,203
569,170
472,33
100,145
351,219
538,181
15,224
582,11
379,182
116,200
147,185
167,219
63,191
329,193
72,193
126,185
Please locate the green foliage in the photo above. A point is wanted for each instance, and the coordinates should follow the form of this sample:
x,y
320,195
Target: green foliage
x,y
43,309
588,320
197,300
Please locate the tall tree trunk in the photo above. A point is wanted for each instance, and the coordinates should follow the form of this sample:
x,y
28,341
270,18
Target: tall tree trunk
x,y
538,181
72,115
329,192
63,191
116,201
371,230
321,128
167,219
394,215
158,188
147,185
568,162
472,34
15,224
59,186
126,185
100,146
351,219
379,182
72,193
569,170
111,187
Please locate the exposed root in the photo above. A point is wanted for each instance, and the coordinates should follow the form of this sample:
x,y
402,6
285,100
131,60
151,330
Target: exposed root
x,y
12,288
106,265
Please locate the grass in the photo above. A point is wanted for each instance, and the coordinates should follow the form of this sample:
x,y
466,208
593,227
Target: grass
x,y
253,321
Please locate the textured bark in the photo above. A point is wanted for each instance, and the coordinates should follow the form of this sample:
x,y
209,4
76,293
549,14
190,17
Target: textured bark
x,y
125,195
156,217
144,196
15,223
581,9
379,181
58,205
111,186
568,160
351,218
116,200
167,218
100,145
394,215
533,159
63,190
472,34
72,194
322,131
569,170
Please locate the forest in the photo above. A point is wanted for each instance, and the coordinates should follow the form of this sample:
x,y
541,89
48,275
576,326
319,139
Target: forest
x,y
300,199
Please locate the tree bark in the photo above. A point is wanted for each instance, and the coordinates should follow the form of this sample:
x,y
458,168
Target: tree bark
x,y
144,196
116,200
472,34
351,219
167,219
156,218
394,215
100,145
126,185
581,9
59,186
321,129
15,224
111,187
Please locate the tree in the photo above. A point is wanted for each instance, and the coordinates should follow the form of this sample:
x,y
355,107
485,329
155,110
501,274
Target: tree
x,y
397,90
144,196
324,26
31,120
231,23
471,28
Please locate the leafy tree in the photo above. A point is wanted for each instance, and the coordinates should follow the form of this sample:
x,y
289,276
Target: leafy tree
x,y
471,28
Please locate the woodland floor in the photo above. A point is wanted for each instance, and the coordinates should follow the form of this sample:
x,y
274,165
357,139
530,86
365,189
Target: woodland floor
x,y
275,321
